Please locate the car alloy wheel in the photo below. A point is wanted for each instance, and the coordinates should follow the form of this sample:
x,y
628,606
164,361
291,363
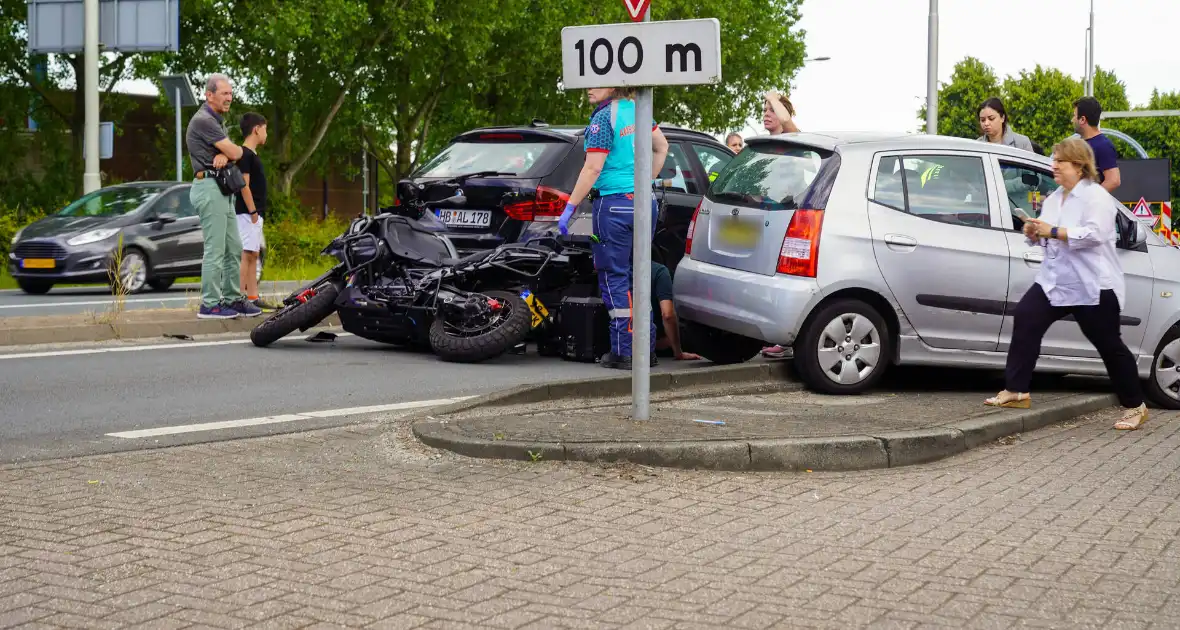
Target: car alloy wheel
x,y
849,349
1167,370
132,271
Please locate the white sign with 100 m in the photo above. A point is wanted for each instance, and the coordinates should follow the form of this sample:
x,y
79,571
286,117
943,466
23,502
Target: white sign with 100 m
x,y
678,52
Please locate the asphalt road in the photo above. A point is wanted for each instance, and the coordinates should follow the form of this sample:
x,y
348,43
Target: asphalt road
x,y
66,404
78,300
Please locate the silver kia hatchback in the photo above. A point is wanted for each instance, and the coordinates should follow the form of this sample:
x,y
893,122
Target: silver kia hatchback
x,y
862,251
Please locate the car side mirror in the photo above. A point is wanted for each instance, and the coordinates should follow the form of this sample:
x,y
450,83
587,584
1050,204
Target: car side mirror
x,y
1131,233
164,218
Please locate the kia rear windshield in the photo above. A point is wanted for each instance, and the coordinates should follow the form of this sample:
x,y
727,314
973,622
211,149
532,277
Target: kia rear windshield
x,y
527,157
774,176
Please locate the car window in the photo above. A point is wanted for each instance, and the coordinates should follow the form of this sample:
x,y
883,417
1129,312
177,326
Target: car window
x,y
1026,188
772,176
712,160
503,152
949,189
109,202
176,202
678,173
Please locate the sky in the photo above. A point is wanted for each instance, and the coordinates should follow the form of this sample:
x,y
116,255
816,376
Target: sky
x,y
876,77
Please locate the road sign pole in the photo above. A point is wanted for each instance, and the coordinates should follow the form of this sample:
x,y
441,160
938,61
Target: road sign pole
x,y
641,312
179,162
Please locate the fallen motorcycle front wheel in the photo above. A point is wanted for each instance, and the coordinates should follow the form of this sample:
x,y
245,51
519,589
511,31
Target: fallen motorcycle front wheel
x,y
316,305
486,333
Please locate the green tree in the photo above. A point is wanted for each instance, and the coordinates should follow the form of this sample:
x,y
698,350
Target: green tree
x,y
1040,103
39,87
972,82
300,61
499,62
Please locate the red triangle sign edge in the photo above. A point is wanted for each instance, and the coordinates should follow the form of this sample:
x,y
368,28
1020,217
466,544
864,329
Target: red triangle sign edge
x,y
636,8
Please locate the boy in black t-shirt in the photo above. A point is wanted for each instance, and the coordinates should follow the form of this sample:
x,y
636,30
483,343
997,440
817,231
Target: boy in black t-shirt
x,y
250,204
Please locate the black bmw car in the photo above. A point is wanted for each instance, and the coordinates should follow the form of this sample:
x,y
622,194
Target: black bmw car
x,y
154,221
536,167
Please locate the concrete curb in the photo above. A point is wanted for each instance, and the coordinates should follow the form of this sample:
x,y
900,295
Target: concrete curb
x,y
609,386
846,452
84,328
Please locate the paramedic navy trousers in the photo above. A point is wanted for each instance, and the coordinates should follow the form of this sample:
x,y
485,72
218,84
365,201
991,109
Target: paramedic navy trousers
x,y
614,225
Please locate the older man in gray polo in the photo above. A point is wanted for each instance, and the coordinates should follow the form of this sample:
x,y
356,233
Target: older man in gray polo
x,y
210,149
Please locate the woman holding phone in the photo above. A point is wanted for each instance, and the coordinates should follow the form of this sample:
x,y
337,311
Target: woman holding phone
x,y
1080,276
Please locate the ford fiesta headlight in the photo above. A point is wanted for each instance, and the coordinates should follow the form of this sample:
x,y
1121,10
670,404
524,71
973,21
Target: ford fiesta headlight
x,y
93,236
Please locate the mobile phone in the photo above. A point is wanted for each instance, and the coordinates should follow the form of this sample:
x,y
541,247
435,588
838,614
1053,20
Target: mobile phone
x,y
1018,211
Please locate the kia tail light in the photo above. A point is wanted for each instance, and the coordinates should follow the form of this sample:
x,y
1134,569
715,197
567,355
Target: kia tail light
x,y
799,255
692,228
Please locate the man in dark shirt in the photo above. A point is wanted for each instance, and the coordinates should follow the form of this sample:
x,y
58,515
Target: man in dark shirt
x,y
1086,114
667,324
250,204
209,149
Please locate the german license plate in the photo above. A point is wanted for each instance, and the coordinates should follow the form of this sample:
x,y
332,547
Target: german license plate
x,y
738,232
38,263
466,218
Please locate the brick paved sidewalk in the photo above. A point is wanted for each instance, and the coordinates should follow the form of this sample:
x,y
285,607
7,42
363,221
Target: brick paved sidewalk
x,y
1073,526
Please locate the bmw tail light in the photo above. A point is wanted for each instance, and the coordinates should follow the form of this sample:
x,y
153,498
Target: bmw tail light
x,y
547,206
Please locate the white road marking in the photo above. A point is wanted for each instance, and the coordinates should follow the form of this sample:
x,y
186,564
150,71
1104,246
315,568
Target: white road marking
x,y
94,303
289,417
155,346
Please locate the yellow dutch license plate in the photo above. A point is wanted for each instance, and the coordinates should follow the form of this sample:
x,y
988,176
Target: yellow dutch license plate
x,y
38,263
736,232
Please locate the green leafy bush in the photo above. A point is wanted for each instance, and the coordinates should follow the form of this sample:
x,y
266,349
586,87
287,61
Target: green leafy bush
x,y
291,244
10,223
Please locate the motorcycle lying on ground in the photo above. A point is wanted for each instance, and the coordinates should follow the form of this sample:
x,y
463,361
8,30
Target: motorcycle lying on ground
x,y
400,281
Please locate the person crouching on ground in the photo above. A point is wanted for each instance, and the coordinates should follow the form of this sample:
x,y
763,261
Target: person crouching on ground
x,y
608,178
1080,276
250,204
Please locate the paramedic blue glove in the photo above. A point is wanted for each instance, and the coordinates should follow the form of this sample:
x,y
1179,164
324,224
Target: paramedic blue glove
x,y
563,224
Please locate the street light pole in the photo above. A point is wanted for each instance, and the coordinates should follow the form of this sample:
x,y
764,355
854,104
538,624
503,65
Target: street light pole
x,y
1090,54
932,71
91,180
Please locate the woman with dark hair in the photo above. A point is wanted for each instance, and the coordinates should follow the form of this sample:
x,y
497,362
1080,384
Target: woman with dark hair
x,y
993,122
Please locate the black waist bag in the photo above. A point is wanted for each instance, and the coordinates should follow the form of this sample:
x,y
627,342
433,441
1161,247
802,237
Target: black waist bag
x,y
229,179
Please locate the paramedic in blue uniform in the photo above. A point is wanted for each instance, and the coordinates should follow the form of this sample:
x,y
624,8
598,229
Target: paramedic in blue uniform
x,y
608,178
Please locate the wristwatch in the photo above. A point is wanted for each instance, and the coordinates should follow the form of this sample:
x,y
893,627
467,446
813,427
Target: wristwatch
x,y
1053,233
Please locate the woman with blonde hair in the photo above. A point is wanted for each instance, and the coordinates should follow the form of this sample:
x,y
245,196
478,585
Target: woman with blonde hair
x,y
1080,276
778,117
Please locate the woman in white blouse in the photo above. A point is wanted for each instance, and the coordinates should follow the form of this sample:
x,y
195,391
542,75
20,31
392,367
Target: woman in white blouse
x,y
1080,276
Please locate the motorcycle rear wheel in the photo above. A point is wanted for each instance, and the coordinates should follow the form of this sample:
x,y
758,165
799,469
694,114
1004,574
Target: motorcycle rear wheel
x,y
504,333
298,316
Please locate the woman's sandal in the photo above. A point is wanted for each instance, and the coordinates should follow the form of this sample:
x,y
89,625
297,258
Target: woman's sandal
x,y
1133,419
1012,401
